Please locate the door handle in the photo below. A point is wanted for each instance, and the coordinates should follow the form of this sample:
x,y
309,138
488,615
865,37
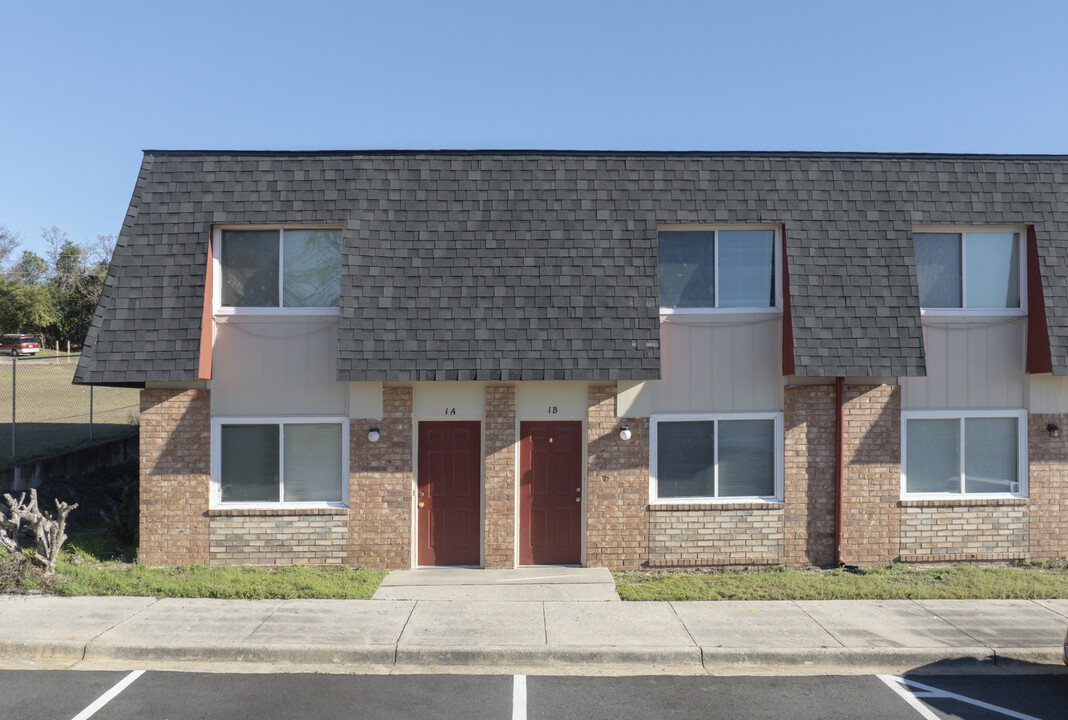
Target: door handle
x,y
421,503
578,499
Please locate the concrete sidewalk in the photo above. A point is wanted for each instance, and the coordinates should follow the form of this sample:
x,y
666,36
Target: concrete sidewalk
x,y
532,637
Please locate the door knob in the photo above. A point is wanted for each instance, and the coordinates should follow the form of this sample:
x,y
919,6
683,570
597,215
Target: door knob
x,y
421,503
578,499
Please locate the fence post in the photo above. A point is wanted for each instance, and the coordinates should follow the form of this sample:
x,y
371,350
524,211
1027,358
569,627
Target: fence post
x,y
13,361
90,413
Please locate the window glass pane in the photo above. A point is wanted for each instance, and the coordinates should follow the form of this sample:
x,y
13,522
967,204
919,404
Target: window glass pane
x,y
311,268
249,463
312,462
746,268
938,269
249,261
686,269
990,455
992,271
746,458
685,459
932,458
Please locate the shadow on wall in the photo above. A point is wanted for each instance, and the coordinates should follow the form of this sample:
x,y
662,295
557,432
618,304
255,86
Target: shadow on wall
x,y
608,451
176,433
876,410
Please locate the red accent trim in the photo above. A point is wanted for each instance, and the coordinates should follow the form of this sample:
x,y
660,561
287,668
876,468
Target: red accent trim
x,y
207,324
1039,359
839,466
787,322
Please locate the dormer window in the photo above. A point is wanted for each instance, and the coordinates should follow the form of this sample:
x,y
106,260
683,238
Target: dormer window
x,y
973,270
279,268
717,268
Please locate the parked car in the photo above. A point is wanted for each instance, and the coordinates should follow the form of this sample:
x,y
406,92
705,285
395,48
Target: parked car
x,y
17,344
1066,649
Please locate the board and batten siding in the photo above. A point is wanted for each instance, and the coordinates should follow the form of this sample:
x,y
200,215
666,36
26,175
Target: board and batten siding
x,y
970,366
728,365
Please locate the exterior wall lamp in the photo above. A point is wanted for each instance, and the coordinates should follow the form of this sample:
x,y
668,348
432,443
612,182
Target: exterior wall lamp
x,y
373,435
1053,430
624,433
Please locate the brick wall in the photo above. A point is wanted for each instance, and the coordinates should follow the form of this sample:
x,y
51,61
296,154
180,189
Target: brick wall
x,y
809,425
617,485
1048,487
871,517
960,530
273,537
380,486
175,475
500,489
737,534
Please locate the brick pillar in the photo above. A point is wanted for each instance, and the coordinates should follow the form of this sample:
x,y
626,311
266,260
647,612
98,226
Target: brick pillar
x,y
501,449
808,474
381,486
1047,486
617,485
871,517
175,475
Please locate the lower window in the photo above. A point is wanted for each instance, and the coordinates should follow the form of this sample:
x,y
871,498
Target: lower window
x,y
263,462
698,458
967,453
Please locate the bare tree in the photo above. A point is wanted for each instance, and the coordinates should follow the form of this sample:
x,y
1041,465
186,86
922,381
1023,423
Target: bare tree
x,y
49,532
9,242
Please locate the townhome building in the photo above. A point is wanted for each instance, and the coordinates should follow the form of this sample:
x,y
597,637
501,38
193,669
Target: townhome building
x,y
619,359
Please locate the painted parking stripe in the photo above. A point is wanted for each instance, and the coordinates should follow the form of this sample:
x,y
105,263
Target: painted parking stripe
x,y
519,698
109,695
904,688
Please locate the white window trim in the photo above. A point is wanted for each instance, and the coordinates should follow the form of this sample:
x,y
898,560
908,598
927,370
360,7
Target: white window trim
x,y
216,259
654,422
960,415
216,460
716,310
977,314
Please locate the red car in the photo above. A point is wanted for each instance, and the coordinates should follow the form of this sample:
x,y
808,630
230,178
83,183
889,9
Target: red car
x,y
19,345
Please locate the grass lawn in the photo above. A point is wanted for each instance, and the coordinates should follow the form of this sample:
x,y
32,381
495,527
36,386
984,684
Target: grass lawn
x,y
886,582
83,571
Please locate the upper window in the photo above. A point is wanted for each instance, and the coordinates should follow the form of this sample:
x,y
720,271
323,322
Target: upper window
x,y
968,270
712,457
717,269
269,461
284,268
964,453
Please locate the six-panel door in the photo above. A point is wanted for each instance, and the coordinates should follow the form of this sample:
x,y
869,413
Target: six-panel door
x,y
449,494
550,493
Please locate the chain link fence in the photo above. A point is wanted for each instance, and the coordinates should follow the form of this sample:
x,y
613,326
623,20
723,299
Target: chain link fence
x,y
45,414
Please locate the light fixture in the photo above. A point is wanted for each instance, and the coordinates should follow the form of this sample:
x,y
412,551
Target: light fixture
x,y
624,433
1053,430
373,435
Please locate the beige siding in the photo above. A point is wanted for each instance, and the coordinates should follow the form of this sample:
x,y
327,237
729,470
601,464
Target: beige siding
x,y
365,400
1048,394
449,400
970,366
277,368
551,400
727,366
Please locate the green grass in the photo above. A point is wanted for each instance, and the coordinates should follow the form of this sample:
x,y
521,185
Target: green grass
x,y
886,582
83,571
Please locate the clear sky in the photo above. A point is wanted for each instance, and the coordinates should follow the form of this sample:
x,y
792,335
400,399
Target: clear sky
x,y
85,86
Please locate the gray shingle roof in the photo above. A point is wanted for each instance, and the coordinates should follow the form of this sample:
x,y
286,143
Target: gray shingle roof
x,y
542,265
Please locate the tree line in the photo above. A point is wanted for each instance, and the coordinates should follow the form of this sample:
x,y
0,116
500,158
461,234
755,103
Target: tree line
x,y
52,298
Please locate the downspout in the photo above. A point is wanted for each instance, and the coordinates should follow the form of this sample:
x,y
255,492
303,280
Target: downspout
x,y
839,467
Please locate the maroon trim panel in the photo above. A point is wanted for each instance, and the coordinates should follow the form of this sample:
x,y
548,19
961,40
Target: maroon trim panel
x,y
1038,352
787,322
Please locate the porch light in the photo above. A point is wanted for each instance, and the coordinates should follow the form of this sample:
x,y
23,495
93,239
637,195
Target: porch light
x,y
1053,430
624,433
373,435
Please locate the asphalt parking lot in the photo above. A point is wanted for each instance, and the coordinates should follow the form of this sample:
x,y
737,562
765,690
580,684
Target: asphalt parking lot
x,y
185,696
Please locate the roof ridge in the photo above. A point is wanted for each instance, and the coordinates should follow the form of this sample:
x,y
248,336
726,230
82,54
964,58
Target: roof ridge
x,y
614,153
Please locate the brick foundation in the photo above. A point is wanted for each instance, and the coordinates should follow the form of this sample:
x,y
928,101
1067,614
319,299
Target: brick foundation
x,y
958,530
274,537
1048,487
381,485
175,476
500,488
736,534
809,420
617,485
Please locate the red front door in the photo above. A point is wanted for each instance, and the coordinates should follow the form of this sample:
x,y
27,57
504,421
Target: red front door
x,y
550,493
450,481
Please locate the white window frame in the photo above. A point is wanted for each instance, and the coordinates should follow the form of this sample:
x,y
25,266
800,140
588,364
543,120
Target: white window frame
x,y
654,423
716,309
967,312
216,460
220,309
960,415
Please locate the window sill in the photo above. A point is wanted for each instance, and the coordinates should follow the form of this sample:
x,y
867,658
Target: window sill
x,y
724,505
963,502
274,511
970,315
719,315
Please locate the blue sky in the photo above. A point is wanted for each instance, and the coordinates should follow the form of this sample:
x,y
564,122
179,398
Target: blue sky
x,y
84,87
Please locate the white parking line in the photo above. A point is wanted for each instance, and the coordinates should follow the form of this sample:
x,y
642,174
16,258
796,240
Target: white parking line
x,y
109,695
904,688
519,698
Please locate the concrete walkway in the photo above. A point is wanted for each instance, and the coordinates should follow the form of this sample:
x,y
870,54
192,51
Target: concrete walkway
x,y
556,637
573,584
